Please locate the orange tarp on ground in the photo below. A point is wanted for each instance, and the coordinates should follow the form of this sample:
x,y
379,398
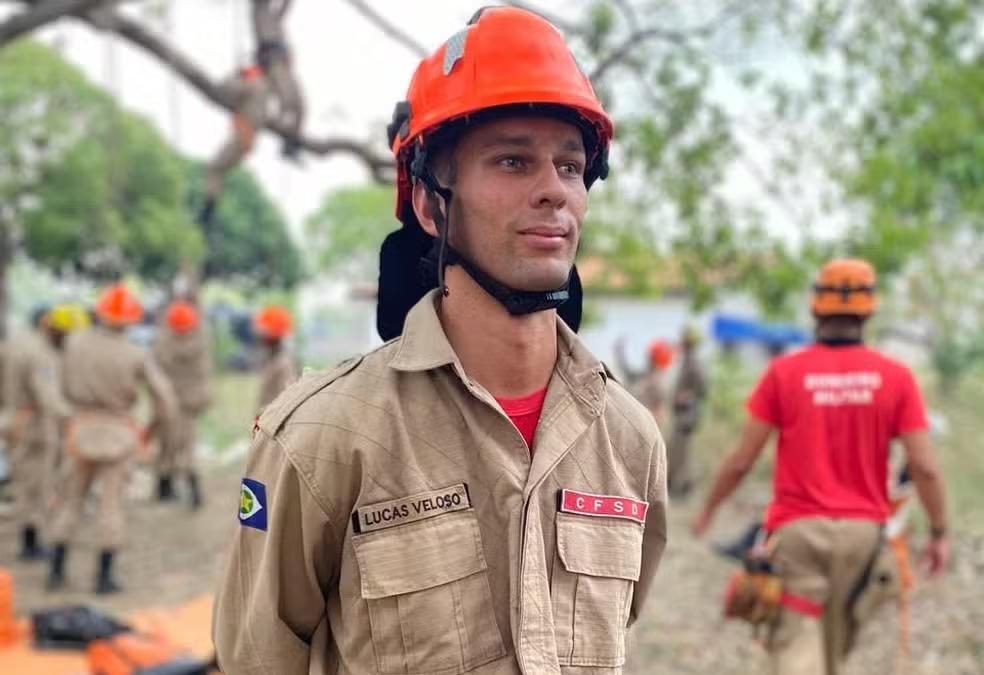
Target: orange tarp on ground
x,y
188,626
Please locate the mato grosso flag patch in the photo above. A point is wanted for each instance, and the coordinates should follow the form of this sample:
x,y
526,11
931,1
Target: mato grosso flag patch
x,y
253,504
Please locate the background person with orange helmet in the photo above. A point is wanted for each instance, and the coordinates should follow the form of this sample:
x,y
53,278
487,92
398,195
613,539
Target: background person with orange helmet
x,y
836,405
250,93
33,396
182,350
648,386
103,373
477,495
273,325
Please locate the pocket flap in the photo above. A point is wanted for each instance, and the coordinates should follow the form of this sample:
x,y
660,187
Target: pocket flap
x,y
600,547
420,555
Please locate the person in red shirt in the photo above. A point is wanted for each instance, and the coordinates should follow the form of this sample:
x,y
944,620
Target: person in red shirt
x,y
837,406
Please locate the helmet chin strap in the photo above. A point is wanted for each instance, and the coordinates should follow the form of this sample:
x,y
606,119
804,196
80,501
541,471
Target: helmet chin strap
x,y
517,302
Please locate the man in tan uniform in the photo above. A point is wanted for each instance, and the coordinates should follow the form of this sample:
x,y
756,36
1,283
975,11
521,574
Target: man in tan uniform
x,y
250,91
477,495
648,386
103,372
273,55
273,325
183,352
37,409
689,393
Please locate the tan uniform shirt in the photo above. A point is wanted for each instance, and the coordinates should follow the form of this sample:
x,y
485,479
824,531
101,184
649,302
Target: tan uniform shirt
x,y
250,99
32,389
276,375
394,522
689,392
186,359
103,372
650,390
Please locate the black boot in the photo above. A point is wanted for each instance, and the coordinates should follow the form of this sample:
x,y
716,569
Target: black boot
x,y
195,489
56,573
165,489
32,550
106,584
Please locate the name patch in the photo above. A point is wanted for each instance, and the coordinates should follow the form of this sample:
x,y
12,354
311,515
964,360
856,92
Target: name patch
x,y
381,515
604,506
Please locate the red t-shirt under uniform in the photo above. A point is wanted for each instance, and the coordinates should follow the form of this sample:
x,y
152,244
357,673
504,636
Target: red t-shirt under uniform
x,y
525,413
837,410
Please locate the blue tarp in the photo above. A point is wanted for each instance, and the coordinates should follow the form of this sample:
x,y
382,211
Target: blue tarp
x,y
734,329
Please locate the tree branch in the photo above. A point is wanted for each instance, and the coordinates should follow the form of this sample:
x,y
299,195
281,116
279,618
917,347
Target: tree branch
x,y
380,166
39,14
388,29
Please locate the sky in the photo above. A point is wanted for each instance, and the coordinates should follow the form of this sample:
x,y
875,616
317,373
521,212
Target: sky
x,y
351,73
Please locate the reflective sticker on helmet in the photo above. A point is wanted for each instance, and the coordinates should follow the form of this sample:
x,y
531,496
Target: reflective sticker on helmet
x,y
454,50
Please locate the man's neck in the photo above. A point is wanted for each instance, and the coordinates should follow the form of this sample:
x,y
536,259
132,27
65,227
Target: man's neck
x,y
511,356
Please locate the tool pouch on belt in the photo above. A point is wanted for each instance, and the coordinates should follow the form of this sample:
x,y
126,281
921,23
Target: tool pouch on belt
x,y
754,594
102,437
880,584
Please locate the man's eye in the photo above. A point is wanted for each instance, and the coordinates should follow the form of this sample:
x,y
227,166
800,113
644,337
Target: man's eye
x,y
571,168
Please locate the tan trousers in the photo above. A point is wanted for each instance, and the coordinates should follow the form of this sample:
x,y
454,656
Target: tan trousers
x,y
31,469
678,460
111,477
177,453
229,157
288,94
820,559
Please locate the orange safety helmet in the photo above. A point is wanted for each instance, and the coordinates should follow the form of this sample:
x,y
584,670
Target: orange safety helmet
x,y
273,322
660,354
182,317
119,307
504,57
845,287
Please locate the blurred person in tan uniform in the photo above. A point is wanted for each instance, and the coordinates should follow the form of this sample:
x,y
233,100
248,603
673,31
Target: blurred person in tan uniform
x,y
183,351
478,495
102,374
33,392
250,92
689,392
836,407
274,325
273,55
649,386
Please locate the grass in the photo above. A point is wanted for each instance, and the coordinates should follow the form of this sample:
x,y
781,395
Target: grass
x,y
230,418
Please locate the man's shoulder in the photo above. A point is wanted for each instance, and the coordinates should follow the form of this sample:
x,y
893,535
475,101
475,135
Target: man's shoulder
x,y
623,411
309,397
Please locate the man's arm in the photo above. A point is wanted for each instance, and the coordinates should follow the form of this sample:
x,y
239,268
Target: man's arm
x,y
284,8
924,466
734,469
271,599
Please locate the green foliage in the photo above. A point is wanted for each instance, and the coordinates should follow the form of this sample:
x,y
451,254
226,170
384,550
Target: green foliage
x,y
345,234
90,189
249,242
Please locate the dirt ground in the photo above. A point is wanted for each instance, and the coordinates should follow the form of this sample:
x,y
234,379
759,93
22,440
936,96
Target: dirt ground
x,y
173,555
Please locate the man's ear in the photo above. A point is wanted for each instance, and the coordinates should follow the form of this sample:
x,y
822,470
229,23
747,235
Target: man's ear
x,y
423,207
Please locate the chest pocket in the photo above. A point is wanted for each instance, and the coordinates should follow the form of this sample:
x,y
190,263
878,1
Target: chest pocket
x,y
430,605
594,573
